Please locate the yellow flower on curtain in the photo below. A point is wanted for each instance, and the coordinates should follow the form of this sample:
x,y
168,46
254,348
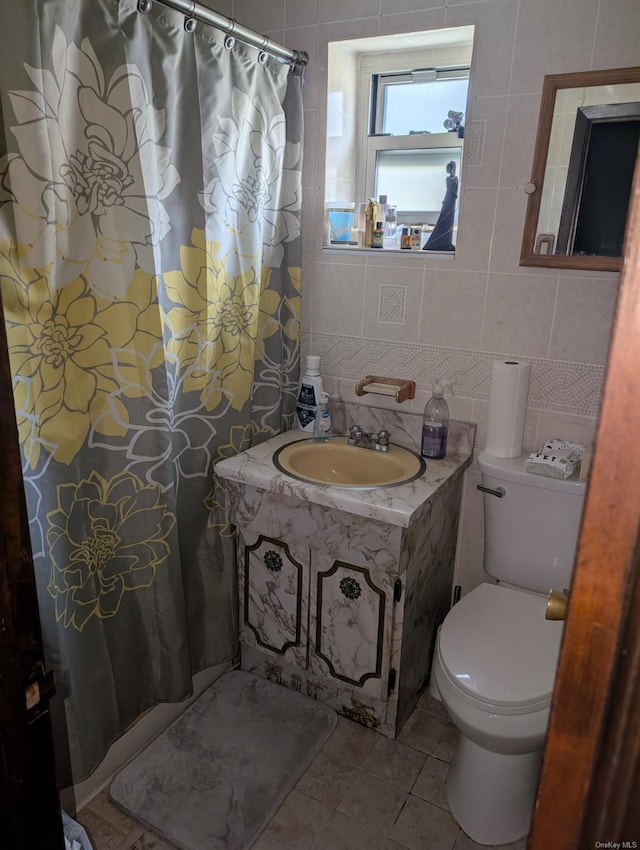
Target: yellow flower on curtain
x,y
217,322
105,537
291,327
64,347
241,437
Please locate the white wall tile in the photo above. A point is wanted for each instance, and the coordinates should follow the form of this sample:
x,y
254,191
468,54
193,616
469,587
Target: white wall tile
x,y
338,299
491,111
617,34
260,16
493,47
347,10
392,303
552,38
582,323
518,313
519,141
452,308
300,13
576,429
477,211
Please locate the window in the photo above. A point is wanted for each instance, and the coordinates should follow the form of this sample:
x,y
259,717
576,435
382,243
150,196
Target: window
x,y
409,146
388,100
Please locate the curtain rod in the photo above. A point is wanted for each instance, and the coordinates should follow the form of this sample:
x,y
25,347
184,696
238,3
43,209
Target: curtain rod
x,y
195,12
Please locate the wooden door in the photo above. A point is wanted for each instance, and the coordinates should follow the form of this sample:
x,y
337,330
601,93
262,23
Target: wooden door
x,y
589,793
29,805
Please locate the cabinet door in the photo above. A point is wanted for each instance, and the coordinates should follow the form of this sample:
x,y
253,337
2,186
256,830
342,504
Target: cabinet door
x,y
274,593
350,626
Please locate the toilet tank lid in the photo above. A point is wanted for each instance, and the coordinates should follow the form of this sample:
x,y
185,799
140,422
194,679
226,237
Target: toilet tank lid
x,y
512,469
497,646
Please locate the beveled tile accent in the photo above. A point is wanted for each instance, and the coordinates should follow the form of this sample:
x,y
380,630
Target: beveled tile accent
x,y
373,802
395,762
296,825
327,779
431,785
351,742
422,826
430,734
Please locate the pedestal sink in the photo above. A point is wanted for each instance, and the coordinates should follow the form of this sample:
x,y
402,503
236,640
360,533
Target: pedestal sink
x,y
337,464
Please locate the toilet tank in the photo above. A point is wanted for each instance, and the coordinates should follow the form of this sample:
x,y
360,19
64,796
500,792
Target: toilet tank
x,y
530,534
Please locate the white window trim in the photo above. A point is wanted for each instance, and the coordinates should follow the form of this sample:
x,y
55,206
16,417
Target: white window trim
x,y
367,146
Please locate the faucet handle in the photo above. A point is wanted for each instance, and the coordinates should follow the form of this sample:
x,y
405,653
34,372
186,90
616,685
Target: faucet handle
x,y
382,440
355,432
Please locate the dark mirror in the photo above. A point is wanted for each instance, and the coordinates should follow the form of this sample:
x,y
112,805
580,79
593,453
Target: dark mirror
x,y
584,159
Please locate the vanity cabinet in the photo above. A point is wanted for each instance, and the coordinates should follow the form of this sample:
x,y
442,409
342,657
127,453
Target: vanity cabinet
x,y
328,614
341,592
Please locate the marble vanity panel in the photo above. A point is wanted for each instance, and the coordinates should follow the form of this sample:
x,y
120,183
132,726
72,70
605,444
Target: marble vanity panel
x,y
351,614
305,525
399,506
361,708
429,548
273,590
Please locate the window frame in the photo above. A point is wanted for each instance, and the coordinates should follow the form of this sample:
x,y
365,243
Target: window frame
x,y
386,64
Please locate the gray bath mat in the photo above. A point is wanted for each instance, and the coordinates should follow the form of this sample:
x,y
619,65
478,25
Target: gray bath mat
x,y
214,778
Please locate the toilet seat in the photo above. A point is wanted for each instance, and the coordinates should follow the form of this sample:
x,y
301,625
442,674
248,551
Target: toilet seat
x,y
497,648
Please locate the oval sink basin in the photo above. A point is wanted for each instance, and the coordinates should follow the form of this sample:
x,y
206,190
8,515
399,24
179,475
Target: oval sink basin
x,y
339,465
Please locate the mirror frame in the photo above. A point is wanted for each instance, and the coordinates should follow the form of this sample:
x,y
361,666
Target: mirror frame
x,y
552,83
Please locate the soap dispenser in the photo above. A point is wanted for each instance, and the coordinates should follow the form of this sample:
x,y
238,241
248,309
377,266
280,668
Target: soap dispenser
x,y
309,394
435,423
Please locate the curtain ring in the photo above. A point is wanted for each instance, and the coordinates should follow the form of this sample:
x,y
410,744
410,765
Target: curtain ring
x,y
190,24
263,56
144,6
229,42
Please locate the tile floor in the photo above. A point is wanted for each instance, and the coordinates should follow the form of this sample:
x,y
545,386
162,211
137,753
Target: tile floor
x,y
362,792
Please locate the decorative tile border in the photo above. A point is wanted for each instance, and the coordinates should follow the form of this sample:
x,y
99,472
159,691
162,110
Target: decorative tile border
x,y
555,385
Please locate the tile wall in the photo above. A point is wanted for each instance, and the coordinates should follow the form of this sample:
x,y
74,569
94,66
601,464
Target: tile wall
x,y
420,317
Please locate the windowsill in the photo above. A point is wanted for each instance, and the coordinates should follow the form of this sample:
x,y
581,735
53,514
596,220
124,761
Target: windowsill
x,y
403,252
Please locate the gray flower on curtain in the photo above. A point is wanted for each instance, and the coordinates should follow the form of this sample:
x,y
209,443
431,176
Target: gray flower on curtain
x,y
85,189
170,435
257,182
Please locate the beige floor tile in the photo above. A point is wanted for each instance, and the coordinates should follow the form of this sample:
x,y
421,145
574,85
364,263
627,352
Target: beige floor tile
x,y
103,835
145,841
463,842
102,806
430,734
372,802
432,706
297,823
351,742
344,833
327,779
431,784
422,826
395,762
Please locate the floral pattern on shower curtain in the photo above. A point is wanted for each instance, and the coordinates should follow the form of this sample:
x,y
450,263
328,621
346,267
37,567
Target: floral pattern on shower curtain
x,y
150,190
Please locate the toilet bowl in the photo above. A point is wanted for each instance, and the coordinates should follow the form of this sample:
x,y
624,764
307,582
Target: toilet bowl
x,y
494,668
496,654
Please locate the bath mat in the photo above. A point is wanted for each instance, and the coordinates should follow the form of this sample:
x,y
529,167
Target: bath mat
x,y
215,777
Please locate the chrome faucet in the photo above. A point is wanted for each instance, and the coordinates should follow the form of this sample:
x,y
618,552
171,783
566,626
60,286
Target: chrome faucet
x,y
364,439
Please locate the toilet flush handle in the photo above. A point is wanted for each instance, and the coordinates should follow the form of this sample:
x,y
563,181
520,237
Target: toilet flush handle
x,y
499,491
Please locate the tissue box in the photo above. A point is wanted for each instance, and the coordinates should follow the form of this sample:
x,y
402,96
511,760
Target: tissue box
x,y
555,459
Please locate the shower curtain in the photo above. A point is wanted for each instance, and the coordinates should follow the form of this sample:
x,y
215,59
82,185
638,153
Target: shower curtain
x,y
150,275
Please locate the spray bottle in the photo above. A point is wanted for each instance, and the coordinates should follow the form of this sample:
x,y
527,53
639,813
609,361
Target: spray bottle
x,y
435,422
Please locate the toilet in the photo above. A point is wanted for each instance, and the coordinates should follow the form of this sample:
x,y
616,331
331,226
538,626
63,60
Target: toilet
x,y
496,654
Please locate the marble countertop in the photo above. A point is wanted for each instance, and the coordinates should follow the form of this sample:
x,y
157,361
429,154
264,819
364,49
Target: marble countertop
x,y
399,505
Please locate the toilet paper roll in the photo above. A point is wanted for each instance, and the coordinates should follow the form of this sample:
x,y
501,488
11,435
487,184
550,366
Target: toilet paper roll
x,y
507,408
